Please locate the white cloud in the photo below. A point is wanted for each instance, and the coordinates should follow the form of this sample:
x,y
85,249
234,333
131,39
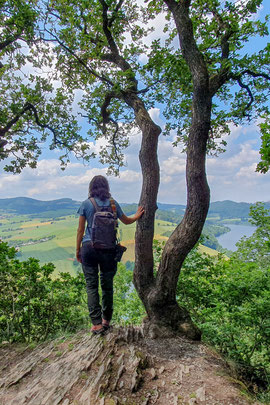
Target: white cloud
x,y
231,176
12,180
174,165
32,192
249,173
129,176
155,115
242,155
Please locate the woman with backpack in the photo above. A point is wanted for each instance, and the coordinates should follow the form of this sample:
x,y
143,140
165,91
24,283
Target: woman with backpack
x,y
96,248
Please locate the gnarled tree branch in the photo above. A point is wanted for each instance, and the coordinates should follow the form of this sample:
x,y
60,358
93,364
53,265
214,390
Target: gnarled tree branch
x,y
190,50
114,14
238,77
114,56
10,40
255,74
217,81
27,108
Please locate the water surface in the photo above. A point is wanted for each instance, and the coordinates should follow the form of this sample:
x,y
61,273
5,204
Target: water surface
x,y
229,239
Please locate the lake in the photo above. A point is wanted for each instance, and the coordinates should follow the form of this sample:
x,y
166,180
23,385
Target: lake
x,y
229,239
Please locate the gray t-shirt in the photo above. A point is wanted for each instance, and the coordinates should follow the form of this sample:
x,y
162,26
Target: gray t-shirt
x,y
87,210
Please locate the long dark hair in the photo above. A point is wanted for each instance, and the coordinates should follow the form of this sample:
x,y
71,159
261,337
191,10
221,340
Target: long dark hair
x,y
99,187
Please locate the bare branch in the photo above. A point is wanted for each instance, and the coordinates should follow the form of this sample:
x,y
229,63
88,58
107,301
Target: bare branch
x,y
114,14
45,126
217,81
10,40
3,143
50,11
106,29
13,121
221,77
225,48
146,89
114,136
104,112
191,53
106,118
238,77
38,122
94,41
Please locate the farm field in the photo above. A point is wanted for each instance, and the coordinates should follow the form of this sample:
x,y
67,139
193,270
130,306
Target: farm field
x,y
51,240
47,240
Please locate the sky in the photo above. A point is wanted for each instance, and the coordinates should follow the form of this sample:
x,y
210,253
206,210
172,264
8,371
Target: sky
x,y
231,175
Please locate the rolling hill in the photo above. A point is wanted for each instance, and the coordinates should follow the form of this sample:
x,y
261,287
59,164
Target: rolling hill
x,y
66,206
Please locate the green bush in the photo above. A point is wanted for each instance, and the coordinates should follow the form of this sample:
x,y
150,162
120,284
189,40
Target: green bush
x,y
128,308
34,305
230,302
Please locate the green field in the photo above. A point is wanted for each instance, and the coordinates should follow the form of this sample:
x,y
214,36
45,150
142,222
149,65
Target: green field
x,y
60,250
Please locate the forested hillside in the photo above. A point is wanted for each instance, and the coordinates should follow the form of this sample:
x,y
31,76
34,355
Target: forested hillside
x,y
25,205
168,212
230,209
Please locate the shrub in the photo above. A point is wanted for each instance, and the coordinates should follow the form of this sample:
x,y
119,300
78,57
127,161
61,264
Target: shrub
x,y
230,302
34,305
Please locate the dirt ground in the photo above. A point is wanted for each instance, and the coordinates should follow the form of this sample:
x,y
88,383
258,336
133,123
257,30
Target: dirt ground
x,y
122,367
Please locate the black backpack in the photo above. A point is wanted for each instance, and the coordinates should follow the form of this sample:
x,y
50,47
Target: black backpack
x,y
104,226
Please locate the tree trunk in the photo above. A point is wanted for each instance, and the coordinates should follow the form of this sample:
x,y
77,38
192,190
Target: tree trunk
x,y
162,305
160,301
144,261
159,295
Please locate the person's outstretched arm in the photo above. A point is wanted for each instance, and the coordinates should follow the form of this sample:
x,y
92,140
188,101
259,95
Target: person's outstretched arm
x,y
129,220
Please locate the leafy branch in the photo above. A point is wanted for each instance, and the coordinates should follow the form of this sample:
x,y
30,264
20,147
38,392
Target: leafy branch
x,y
75,56
28,107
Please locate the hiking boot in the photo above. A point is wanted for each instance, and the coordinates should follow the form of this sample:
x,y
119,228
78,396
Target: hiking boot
x,y
97,329
106,324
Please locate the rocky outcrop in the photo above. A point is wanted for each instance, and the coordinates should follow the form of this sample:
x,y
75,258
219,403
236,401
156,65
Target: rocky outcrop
x,y
122,367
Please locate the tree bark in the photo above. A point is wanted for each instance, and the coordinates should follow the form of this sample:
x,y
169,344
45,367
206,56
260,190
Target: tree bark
x,y
163,307
144,262
159,295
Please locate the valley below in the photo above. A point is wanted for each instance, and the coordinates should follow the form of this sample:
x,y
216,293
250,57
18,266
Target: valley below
x,y
47,230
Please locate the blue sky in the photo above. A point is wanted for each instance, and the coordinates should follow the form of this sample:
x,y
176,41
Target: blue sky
x,y
231,176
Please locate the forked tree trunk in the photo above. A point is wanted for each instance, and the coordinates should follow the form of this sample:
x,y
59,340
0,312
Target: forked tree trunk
x,y
162,307
159,295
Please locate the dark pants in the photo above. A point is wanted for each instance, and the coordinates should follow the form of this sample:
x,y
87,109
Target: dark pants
x,y
93,262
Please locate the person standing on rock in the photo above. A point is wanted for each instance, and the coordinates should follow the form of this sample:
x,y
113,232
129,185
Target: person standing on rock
x,y
96,248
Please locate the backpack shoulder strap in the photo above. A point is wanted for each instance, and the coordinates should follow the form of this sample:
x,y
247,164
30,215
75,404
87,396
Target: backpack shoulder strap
x,y
114,210
94,204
